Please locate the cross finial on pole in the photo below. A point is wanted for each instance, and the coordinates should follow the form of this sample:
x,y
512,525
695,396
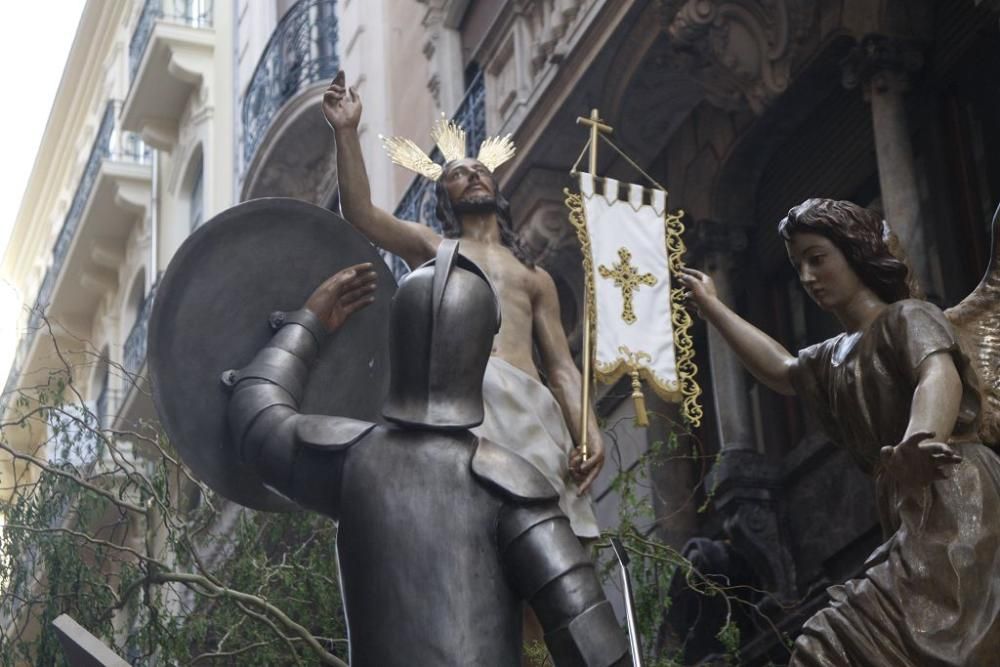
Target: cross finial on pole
x,y
596,126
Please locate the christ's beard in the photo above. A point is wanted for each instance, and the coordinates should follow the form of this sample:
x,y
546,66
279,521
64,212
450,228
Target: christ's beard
x,y
475,204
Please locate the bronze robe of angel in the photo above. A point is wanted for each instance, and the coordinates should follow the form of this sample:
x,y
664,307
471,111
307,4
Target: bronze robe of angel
x,y
930,594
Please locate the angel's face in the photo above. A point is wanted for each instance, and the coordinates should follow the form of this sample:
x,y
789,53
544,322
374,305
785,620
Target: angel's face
x,y
823,270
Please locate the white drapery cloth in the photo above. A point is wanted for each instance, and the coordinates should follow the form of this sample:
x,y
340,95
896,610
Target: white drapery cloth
x,y
522,415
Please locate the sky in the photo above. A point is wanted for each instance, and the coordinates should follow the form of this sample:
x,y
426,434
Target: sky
x,y
35,38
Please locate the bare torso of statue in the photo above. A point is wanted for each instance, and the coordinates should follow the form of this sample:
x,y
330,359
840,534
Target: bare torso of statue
x,y
517,286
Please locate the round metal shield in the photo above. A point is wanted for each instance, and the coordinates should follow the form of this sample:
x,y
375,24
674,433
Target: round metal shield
x,y
211,314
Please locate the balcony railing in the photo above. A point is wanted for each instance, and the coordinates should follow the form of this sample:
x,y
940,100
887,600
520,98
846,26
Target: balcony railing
x,y
113,144
420,201
301,51
135,344
195,13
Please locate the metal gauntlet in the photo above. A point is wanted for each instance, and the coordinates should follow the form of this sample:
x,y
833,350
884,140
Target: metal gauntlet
x,y
276,377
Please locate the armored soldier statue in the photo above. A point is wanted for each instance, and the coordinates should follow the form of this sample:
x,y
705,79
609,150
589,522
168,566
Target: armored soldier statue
x,y
442,535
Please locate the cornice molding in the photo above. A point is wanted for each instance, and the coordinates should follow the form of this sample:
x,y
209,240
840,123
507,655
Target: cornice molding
x,y
74,111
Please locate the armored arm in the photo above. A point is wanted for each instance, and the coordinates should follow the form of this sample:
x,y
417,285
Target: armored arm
x,y
295,454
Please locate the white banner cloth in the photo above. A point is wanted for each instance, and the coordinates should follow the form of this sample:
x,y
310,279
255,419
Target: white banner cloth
x,y
631,280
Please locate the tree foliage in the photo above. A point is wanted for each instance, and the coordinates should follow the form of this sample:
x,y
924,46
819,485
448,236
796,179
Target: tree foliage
x,y
110,527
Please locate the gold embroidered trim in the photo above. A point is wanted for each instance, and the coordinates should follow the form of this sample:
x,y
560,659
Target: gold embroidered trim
x,y
687,370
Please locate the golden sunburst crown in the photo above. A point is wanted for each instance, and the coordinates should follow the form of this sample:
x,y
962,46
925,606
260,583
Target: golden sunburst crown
x,y
450,139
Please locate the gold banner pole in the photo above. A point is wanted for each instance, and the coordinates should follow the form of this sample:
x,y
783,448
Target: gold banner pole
x,y
596,127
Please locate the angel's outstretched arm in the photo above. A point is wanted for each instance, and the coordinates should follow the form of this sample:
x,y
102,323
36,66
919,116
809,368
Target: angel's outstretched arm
x,y
765,358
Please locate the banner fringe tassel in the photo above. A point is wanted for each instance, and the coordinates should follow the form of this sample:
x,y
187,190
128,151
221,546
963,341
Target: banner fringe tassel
x,y
641,417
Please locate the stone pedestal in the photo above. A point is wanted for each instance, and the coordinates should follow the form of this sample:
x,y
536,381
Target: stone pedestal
x,y
746,490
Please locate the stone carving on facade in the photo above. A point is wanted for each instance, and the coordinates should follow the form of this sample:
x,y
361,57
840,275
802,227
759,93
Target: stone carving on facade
x,y
881,62
552,19
536,36
443,51
741,51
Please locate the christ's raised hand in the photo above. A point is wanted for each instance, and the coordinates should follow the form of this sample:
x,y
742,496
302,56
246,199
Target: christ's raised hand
x,y
341,105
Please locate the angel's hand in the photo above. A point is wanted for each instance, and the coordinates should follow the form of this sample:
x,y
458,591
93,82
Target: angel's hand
x,y
700,288
918,460
342,294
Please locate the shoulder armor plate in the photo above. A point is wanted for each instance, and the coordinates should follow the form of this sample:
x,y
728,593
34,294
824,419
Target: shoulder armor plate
x,y
323,432
510,473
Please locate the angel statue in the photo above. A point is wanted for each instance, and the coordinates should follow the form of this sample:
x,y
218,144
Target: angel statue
x,y
913,394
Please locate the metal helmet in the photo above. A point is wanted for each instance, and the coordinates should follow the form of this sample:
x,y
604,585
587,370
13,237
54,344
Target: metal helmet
x,y
443,318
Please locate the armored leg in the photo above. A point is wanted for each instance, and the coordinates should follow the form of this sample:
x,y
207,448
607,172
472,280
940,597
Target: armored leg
x,y
549,568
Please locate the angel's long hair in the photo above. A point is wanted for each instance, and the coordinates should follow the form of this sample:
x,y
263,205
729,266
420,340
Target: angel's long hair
x,y
861,235
451,226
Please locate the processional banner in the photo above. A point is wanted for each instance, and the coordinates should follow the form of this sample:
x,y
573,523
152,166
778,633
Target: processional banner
x,y
631,244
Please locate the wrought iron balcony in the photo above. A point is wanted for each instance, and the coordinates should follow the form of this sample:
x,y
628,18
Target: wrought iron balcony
x,y
194,13
302,50
420,201
110,144
135,344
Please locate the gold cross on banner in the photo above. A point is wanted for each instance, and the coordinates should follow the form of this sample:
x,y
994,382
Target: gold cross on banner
x,y
627,277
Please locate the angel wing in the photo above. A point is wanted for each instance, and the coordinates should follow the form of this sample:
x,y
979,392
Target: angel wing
x,y
977,320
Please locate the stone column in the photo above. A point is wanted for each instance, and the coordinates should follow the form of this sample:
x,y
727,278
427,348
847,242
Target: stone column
x,y
734,422
882,66
744,484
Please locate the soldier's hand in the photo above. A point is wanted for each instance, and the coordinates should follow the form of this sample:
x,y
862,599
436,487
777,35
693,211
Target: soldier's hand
x,y
343,294
586,471
341,105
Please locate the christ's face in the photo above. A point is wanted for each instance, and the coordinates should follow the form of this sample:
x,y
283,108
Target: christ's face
x,y
470,185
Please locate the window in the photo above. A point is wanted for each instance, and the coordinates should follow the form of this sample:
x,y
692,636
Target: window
x,y
196,204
